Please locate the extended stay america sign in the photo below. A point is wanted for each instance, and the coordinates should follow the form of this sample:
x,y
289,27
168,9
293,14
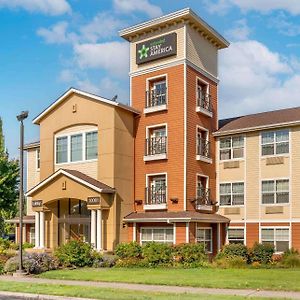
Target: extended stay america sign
x,y
157,48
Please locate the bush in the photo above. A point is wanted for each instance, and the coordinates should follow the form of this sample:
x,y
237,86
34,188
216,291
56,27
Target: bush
x,y
27,245
4,244
130,263
191,255
262,253
234,251
155,254
34,263
75,254
236,262
129,250
103,261
291,258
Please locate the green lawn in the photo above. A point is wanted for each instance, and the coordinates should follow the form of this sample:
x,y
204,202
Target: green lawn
x,y
266,279
103,293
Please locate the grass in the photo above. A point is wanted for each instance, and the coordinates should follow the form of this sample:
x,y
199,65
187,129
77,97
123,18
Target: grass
x,y
265,279
105,293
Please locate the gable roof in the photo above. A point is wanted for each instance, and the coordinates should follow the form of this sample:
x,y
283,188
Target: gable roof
x,y
77,176
183,14
37,119
260,121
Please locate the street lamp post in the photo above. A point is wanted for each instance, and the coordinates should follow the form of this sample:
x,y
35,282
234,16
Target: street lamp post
x,y
21,118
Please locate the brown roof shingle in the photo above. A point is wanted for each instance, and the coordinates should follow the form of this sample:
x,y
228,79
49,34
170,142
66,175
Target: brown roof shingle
x,y
269,118
189,215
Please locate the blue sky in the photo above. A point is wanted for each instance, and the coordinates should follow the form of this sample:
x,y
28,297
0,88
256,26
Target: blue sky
x,y
50,45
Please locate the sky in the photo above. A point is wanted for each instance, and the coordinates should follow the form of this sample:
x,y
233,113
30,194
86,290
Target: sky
x,y
49,46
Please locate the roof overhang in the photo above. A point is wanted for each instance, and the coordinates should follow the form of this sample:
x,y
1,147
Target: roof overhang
x,y
183,15
33,145
85,94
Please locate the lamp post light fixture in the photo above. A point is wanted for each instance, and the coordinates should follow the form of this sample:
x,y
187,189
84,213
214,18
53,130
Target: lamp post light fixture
x,y
21,117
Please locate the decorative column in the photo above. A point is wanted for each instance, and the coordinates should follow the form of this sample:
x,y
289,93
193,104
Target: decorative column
x,y
99,230
219,237
42,230
93,228
37,229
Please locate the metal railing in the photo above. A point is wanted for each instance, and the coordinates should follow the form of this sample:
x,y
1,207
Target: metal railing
x,y
203,147
156,195
203,197
156,145
154,98
204,101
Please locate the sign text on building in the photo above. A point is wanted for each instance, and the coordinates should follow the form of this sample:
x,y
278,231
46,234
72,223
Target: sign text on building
x,y
157,48
37,203
93,200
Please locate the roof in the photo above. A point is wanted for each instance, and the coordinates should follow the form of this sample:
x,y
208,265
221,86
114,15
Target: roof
x,y
26,220
260,121
32,145
180,216
185,14
76,176
37,119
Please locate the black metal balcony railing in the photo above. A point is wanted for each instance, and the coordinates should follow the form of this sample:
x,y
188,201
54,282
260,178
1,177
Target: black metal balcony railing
x,y
156,98
203,147
203,197
156,145
204,101
156,195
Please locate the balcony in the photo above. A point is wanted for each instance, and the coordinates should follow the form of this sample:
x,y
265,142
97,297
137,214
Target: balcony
x,y
155,198
203,201
203,150
204,104
155,148
155,101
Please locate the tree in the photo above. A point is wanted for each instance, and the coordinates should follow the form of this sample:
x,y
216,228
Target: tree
x,y
9,181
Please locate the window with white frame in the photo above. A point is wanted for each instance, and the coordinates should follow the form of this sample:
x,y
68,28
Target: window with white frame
x,y
77,147
279,237
204,235
32,235
157,93
38,158
232,193
231,148
275,142
275,191
235,235
159,235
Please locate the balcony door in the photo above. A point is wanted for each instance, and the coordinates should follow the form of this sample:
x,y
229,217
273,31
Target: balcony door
x,y
203,196
157,190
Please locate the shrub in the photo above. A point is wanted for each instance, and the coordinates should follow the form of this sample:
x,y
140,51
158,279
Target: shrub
x,y
291,258
262,253
155,254
130,263
75,253
34,263
227,262
103,261
191,255
129,250
27,245
233,251
4,244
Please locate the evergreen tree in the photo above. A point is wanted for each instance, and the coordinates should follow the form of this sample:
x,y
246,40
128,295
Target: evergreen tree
x,y
9,181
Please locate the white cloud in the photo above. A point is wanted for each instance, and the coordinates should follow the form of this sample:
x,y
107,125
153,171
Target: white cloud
x,y
265,6
282,23
240,31
49,7
253,79
110,56
57,34
67,76
129,6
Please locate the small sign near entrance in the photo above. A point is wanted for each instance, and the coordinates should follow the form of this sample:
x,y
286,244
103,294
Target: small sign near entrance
x,y
93,200
37,203
157,48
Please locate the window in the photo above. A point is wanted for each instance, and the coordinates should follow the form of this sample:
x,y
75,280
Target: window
x,y
203,144
76,147
232,193
160,235
204,235
32,235
235,235
156,190
203,192
275,142
275,191
232,148
38,158
156,142
203,96
157,94
91,145
279,237
62,150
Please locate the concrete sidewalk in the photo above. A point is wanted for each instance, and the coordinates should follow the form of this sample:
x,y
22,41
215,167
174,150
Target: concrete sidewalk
x,y
159,288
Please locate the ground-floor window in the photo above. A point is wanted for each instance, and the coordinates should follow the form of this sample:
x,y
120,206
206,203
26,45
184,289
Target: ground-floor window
x,y
235,235
160,235
204,235
279,237
32,235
